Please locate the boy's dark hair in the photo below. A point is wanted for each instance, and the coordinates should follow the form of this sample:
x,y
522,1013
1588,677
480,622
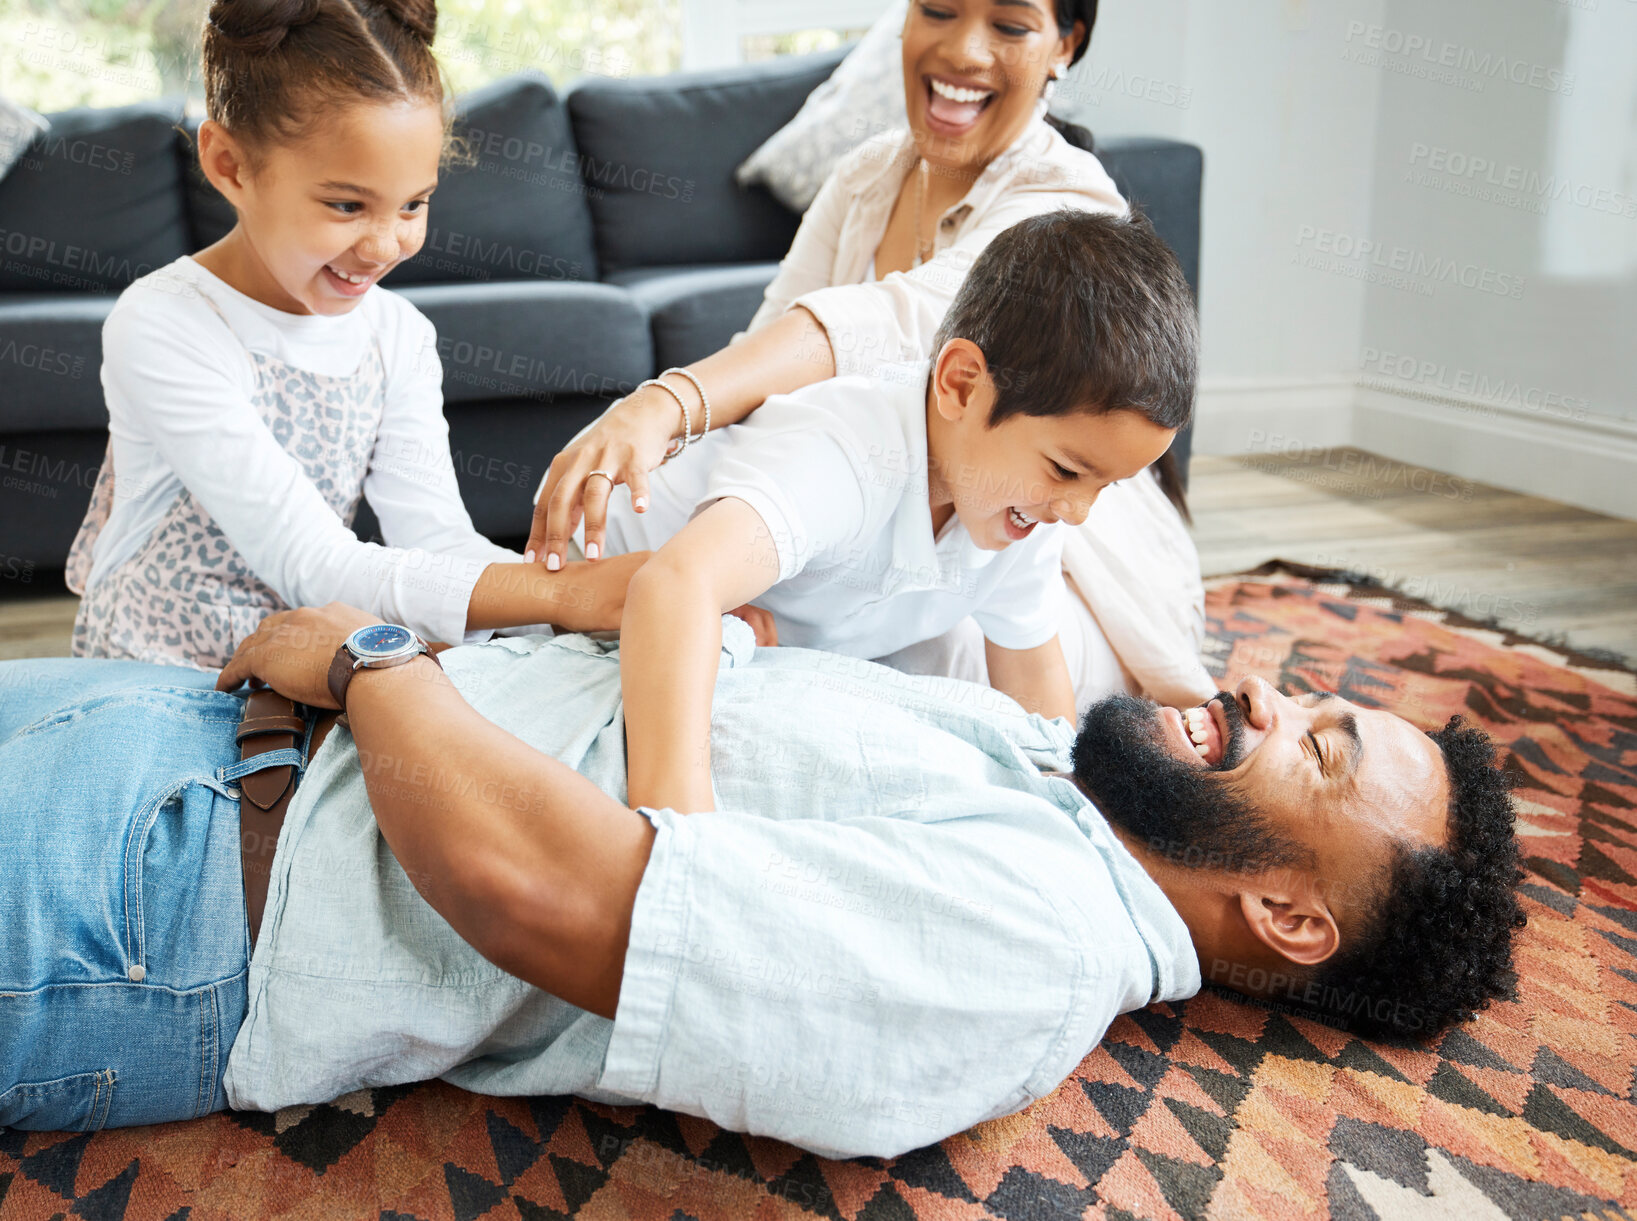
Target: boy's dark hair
x,y
1437,947
272,66
1080,311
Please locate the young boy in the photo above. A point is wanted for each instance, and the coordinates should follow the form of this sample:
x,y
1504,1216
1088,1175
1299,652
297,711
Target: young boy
x,y
866,514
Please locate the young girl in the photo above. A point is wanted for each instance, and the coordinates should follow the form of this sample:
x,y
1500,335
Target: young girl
x,y
258,389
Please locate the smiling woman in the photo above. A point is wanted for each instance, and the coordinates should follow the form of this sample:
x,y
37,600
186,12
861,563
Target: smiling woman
x,y
974,75
873,270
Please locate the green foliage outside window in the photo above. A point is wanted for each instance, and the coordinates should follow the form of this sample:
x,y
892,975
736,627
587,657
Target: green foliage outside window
x,y
57,54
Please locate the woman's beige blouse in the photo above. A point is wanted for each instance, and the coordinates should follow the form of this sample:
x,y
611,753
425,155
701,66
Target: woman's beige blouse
x,y
893,319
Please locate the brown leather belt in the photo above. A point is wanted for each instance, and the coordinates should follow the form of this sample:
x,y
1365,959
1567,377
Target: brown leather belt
x,y
270,722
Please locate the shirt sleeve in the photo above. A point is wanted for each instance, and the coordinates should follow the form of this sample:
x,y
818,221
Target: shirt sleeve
x,y
893,320
810,262
177,387
803,482
411,483
858,988
1025,609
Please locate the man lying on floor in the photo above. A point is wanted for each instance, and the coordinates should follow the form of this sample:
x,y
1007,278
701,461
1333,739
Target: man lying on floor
x,y
896,923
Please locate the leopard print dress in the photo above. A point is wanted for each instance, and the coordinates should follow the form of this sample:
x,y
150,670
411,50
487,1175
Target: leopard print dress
x,y
186,597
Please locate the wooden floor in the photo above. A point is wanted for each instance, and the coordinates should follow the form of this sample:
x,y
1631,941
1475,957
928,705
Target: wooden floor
x,y
1536,566
1539,567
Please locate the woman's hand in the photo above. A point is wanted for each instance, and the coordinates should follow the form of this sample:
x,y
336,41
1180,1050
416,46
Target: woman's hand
x,y
628,441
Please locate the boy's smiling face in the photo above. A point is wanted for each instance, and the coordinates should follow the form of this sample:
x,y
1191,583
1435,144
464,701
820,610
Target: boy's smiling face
x,y
1026,472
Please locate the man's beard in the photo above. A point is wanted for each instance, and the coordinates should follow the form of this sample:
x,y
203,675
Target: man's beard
x,y
1186,814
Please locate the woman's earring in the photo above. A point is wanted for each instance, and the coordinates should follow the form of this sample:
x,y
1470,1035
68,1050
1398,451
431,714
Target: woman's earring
x,y
1051,85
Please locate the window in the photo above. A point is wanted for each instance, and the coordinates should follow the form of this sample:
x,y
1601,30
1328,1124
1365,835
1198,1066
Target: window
x,y
57,54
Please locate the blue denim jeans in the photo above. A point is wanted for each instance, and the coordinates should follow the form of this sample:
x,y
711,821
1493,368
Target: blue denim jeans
x,y
123,941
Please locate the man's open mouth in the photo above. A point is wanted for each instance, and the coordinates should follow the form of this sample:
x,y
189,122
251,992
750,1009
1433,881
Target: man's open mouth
x,y
955,108
1203,730
1206,738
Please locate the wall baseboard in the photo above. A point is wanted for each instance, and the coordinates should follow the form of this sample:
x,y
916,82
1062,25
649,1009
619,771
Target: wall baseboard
x,y
1581,459
1238,416
1562,454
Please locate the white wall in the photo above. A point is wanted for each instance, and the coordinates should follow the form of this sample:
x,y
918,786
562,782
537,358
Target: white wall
x,y
1420,224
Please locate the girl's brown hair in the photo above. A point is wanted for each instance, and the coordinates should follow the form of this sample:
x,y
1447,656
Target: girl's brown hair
x,y
272,66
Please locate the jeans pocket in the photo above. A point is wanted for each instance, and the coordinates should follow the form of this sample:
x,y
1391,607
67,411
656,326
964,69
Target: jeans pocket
x,y
69,1104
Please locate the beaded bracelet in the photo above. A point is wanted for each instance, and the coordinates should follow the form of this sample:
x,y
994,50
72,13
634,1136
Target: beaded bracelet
x,y
674,448
698,385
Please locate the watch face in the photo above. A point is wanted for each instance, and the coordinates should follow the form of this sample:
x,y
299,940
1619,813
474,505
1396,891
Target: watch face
x,y
380,640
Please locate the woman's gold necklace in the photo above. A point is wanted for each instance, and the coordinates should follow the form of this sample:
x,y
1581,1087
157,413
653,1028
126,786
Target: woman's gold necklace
x,y
923,247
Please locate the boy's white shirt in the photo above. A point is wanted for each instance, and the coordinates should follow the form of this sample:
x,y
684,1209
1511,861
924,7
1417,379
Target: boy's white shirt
x,y
178,378
837,473
1132,561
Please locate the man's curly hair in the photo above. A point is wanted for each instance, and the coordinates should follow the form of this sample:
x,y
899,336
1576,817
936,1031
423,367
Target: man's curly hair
x,y
1436,946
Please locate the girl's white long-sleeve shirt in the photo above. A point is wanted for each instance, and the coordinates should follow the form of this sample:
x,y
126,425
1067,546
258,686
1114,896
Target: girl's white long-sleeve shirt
x,y
179,378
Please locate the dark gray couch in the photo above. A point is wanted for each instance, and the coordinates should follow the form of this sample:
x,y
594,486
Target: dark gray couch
x,y
593,239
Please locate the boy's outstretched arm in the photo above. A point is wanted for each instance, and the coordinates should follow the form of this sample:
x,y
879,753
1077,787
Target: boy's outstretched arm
x,y
1037,678
670,645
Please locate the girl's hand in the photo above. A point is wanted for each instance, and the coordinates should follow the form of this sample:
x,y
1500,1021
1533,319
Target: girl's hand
x,y
628,441
592,599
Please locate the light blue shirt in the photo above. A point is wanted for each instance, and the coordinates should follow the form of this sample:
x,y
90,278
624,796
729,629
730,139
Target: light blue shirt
x,y
893,927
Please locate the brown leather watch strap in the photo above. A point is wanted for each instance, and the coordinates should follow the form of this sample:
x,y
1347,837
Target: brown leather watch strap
x,y
343,667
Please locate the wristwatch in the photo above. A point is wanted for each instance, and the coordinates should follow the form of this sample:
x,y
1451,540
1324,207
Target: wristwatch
x,y
376,647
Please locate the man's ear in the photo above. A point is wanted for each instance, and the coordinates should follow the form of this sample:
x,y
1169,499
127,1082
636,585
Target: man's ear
x,y
1292,921
223,161
960,380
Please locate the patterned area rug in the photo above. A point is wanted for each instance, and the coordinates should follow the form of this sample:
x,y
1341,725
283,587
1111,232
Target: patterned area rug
x,y
1213,1108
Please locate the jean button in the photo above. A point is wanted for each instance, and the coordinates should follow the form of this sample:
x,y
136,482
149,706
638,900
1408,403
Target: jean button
x,y
138,973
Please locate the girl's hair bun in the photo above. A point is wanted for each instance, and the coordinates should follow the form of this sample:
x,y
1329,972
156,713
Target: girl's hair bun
x,y
274,66
258,26
420,16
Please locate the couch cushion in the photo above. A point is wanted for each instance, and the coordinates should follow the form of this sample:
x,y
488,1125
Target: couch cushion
x,y
515,211
518,211
659,154
694,311
501,450
1164,177
51,360
536,340
45,483
95,202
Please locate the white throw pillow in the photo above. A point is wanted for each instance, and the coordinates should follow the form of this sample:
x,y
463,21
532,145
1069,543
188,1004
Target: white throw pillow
x,y
864,96
18,127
